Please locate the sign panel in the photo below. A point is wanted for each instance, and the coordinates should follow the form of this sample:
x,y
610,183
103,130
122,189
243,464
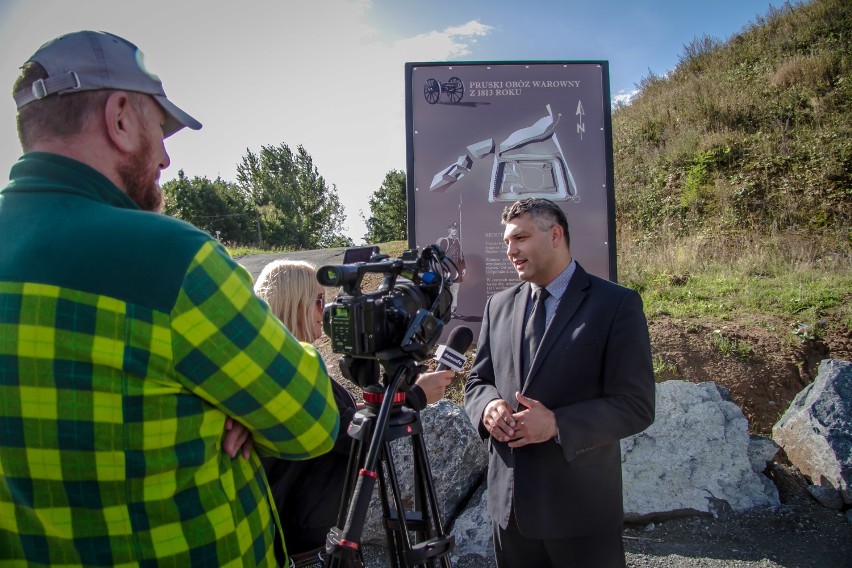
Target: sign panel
x,y
483,135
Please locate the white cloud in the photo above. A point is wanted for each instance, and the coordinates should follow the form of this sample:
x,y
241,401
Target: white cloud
x,y
623,98
471,29
453,42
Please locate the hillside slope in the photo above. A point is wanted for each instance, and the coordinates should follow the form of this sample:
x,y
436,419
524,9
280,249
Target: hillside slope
x,y
753,134
734,205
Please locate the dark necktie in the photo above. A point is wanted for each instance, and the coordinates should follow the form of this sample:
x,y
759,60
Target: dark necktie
x,y
534,330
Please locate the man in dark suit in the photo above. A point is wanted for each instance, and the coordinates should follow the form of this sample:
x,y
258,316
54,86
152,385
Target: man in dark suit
x,y
554,388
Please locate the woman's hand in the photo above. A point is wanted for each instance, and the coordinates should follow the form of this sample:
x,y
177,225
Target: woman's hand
x,y
435,384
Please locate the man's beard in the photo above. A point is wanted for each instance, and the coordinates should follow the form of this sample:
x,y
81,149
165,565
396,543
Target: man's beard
x,y
140,183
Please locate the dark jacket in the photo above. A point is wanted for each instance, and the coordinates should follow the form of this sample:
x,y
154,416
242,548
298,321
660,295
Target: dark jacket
x,y
593,370
307,493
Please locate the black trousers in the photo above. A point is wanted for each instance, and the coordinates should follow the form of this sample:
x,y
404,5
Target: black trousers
x,y
514,550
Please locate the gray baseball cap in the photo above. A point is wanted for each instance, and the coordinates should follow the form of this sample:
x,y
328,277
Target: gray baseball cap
x,y
89,61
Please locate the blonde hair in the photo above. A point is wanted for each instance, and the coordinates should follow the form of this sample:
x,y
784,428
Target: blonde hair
x,y
290,288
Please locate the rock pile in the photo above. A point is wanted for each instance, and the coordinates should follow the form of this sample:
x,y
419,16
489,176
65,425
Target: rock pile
x,y
696,459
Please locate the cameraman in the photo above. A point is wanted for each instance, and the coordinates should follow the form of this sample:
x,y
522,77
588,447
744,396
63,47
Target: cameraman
x,y
307,494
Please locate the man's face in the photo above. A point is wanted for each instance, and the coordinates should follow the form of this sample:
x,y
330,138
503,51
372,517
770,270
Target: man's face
x,y
140,173
534,253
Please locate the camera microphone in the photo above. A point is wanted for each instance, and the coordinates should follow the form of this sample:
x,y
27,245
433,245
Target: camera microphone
x,y
451,355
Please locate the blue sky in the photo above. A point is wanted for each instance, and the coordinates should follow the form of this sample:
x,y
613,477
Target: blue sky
x,y
329,74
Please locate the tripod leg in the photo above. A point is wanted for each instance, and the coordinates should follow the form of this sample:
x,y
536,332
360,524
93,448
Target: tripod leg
x,y
421,496
338,556
426,500
405,525
392,540
352,467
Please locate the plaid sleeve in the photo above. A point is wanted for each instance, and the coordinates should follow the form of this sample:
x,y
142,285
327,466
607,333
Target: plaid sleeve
x,y
230,350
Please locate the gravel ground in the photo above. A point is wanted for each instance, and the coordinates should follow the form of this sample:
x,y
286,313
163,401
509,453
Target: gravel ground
x,y
754,540
798,534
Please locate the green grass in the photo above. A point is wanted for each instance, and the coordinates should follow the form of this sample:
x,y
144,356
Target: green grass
x,y
763,280
731,346
392,248
245,251
664,370
804,295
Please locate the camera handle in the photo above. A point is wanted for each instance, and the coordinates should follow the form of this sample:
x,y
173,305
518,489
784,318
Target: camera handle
x,y
371,459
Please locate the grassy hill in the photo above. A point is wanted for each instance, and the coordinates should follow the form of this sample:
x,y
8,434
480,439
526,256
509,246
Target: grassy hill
x,y
747,136
734,205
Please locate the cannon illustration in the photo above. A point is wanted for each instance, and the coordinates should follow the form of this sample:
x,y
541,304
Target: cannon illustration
x,y
454,89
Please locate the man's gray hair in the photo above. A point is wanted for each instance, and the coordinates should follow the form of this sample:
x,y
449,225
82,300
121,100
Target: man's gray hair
x,y
544,212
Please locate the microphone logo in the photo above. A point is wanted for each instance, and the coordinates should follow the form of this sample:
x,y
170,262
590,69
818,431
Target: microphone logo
x,y
446,355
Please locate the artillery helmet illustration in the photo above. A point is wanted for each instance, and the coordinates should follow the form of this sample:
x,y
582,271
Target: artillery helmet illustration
x,y
528,163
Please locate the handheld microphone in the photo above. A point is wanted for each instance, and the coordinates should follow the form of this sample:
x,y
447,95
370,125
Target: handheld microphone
x,y
451,355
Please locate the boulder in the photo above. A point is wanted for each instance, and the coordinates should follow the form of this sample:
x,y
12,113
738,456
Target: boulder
x,y
826,496
816,431
457,457
697,458
761,452
472,528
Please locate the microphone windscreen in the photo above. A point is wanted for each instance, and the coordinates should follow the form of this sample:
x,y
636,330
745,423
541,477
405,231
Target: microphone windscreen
x,y
460,338
451,355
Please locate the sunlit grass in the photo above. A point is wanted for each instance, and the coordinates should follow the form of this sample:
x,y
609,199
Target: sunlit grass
x,y
700,277
392,248
237,251
664,369
730,345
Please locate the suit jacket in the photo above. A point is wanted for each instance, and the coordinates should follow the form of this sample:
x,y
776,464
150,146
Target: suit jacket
x,y
593,370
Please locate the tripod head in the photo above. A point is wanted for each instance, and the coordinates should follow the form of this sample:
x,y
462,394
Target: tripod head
x,y
374,376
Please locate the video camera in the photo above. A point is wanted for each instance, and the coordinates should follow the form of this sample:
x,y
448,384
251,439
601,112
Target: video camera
x,y
404,316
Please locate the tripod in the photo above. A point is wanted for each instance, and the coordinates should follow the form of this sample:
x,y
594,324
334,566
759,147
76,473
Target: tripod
x,y
415,538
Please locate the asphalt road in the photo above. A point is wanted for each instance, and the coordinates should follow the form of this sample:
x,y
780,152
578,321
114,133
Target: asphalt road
x,y
254,263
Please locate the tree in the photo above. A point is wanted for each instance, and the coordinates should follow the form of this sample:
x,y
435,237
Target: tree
x,y
209,205
293,205
388,210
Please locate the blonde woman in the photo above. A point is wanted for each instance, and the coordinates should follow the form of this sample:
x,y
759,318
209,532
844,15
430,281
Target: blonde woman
x,y
307,494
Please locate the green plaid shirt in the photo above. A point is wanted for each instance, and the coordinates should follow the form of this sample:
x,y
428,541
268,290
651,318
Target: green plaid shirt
x,y
126,340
